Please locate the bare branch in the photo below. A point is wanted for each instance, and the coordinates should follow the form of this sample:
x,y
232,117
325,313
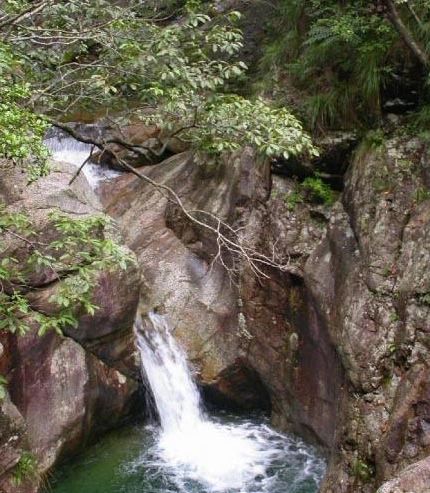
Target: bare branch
x,y
81,167
227,238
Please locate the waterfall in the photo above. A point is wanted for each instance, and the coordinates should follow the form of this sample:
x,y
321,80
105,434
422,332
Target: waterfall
x,y
165,366
194,449
69,150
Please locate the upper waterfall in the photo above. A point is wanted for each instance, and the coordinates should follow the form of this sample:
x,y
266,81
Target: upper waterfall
x,y
65,148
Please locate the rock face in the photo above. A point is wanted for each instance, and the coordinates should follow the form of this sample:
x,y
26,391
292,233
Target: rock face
x,y
370,279
69,399
64,390
251,339
337,341
13,441
200,301
414,478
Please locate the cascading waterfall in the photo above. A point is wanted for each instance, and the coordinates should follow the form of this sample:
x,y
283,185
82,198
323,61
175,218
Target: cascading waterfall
x,y
69,150
194,450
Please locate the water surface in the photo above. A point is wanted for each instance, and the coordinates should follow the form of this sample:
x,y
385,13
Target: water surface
x,y
129,461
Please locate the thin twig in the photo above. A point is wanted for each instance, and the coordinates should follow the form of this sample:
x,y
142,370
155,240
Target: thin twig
x,y
81,167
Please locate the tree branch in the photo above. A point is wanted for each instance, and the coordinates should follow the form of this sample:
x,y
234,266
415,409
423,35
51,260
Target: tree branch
x,y
227,238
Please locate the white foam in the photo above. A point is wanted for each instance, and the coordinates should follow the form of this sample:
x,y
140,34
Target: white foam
x,y
191,447
69,150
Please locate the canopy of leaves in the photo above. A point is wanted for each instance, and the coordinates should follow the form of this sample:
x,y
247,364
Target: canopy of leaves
x,y
116,57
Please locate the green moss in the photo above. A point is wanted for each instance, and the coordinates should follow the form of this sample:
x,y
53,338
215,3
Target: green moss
x,y
363,470
421,195
374,139
292,199
318,191
25,469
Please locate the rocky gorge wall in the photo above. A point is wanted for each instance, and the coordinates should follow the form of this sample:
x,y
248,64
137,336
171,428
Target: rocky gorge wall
x,y
62,391
335,344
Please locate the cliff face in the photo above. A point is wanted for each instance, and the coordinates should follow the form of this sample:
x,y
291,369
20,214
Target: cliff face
x,y
337,342
63,390
370,279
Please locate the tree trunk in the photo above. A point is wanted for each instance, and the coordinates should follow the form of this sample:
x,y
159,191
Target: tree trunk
x,y
404,32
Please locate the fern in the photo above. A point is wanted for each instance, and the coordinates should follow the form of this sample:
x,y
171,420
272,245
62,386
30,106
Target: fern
x,y
340,56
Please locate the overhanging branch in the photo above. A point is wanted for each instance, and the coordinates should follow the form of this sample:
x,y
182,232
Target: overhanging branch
x,y
228,239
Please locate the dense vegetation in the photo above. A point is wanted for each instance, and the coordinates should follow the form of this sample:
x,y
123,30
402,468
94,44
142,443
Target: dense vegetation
x,y
348,59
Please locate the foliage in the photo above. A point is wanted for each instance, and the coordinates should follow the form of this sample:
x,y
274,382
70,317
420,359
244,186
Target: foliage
x,y
80,253
21,130
363,470
228,122
342,55
318,191
313,189
25,469
421,195
374,139
420,120
292,199
424,298
100,54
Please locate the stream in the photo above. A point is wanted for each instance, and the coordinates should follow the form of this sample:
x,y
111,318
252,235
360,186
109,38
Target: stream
x,y
189,451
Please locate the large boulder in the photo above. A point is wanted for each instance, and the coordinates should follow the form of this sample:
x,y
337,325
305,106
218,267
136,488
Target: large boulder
x,y
254,341
174,256
66,395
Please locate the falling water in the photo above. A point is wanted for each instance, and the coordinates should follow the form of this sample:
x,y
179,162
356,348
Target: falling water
x,y
69,150
194,450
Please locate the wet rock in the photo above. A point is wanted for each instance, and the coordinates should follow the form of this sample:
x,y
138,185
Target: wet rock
x,y
238,387
66,395
152,146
